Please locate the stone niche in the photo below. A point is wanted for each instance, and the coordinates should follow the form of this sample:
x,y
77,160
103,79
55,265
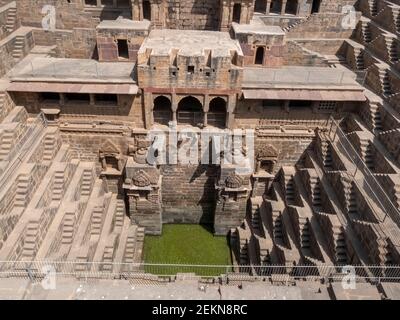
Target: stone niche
x,y
233,190
142,185
120,39
266,159
262,45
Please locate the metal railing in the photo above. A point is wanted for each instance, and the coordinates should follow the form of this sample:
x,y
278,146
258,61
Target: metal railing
x,y
159,272
367,180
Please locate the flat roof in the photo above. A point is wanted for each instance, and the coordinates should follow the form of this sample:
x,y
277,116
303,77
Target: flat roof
x,y
292,77
34,68
125,24
190,43
257,27
303,94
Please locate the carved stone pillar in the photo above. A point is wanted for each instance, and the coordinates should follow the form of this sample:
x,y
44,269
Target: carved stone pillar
x,y
142,186
283,9
268,7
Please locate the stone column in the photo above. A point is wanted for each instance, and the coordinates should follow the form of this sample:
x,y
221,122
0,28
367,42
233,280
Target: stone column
x,y
230,117
103,162
205,119
135,10
286,106
174,106
92,99
283,7
315,105
148,109
206,108
268,7
224,18
62,99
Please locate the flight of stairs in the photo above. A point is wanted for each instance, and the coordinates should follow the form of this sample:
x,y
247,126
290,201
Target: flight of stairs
x,y
2,100
304,233
373,5
18,51
11,19
359,59
129,254
366,32
397,22
68,228
96,221
86,184
392,50
299,22
244,255
50,142
316,194
58,185
327,152
7,142
289,182
255,217
119,214
352,208
277,226
107,259
384,77
29,247
376,118
367,153
385,258
21,192
340,246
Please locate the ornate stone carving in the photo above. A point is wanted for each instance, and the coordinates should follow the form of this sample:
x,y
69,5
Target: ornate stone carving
x,y
141,179
267,152
141,156
233,181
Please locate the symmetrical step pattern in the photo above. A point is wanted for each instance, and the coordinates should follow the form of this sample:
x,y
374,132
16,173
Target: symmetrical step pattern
x,y
31,234
119,214
340,246
68,228
7,142
58,185
87,182
97,221
19,45
11,19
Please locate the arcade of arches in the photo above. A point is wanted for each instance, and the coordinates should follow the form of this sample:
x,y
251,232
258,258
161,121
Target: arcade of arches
x,y
190,111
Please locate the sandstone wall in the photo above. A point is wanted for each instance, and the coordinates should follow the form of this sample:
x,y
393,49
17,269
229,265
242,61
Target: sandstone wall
x,y
79,43
7,61
69,14
188,193
108,48
193,14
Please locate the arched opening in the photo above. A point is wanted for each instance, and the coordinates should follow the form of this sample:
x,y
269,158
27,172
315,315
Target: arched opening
x,y
146,10
315,6
217,113
162,112
237,12
276,6
190,111
259,58
291,7
260,6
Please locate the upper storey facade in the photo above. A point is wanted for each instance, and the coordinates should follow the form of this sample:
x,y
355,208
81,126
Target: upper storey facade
x,y
171,14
